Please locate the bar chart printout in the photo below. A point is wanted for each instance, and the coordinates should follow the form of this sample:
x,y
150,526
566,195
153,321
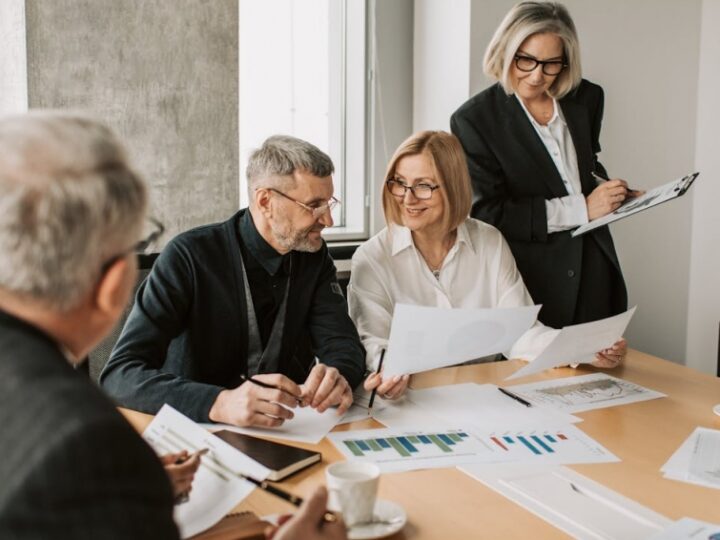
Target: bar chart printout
x,y
394,450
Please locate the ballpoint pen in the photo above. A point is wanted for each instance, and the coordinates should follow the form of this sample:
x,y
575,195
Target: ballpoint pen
x,y
510,394
374,392
328,516
631,192
267,385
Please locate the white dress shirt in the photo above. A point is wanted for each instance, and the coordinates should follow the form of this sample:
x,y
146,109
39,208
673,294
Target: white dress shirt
x,y
478,272
567,212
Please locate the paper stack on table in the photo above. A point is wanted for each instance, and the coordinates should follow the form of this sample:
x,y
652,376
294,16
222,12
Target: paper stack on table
x,y
697,461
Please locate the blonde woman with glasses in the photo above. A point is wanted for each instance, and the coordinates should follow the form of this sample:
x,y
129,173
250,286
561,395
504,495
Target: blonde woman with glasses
x,y
531,142
432,254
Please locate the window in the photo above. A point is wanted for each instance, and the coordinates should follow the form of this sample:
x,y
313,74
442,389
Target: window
x,y
302,73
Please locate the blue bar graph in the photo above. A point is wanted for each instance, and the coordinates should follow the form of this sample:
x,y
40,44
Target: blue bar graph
x,y
447,440
542,444
529,445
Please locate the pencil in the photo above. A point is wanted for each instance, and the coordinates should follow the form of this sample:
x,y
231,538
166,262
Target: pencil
x,y
328,517
374,392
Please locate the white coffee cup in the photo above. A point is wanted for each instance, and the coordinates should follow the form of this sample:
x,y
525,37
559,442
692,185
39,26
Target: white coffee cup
x,y
353,489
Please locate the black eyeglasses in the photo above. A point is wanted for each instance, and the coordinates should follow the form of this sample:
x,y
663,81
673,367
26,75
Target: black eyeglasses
x,y
421,191
156,230
316,211
549,67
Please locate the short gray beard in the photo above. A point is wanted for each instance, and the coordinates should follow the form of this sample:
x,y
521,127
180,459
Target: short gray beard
x,y
293,240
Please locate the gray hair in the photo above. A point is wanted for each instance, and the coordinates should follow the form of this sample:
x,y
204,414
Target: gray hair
x,y
521,22
275,162
69,202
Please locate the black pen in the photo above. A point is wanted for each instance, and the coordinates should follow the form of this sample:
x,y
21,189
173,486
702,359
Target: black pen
x,y
266,385
328,517
508,393
631,192
372,396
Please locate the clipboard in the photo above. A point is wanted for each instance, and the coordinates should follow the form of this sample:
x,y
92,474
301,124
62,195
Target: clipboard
x,y
653,197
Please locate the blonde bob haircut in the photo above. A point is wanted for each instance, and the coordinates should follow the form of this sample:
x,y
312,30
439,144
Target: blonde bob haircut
x,y
522,21
450,171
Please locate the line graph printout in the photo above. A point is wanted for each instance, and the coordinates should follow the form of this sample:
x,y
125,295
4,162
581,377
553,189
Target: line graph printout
x,y
584,392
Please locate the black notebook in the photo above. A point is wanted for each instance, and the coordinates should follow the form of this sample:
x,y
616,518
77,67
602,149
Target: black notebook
x,y
281,459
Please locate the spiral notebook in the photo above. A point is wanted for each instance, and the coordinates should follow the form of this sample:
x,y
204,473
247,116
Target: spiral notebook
x,y
282,459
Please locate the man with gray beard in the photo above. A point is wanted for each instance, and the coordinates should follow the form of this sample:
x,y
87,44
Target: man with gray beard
x,y
228,324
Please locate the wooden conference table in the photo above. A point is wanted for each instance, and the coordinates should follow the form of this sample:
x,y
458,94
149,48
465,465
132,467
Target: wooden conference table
x,y
445,503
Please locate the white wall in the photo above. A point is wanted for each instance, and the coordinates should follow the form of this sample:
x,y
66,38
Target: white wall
x,y
13,58
704,297
645,54
442,57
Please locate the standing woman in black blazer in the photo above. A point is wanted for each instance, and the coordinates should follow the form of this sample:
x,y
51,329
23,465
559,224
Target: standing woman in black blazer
x,y
531,142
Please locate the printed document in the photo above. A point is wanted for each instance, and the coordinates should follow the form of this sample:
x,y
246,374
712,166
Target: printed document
x,y
217,488
578,344
424,338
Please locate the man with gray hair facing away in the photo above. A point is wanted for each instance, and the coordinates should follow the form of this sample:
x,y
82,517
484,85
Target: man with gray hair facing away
x,y
220,328
71,212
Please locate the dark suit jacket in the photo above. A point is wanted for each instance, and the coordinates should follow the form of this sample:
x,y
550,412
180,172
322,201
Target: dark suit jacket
x,y
512,175
70,465
186,338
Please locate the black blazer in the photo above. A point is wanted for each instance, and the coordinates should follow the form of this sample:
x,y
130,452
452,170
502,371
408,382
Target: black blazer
x,y
186,338
512,175
71,466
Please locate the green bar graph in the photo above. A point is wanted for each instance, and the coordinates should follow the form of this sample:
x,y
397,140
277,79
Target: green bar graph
x,y
372,443
397,446
354,448
444,447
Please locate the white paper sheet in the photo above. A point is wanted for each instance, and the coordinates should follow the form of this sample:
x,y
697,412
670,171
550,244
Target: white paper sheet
x,y
570,501
689,529
584,392
423,338
480,407
308,426
361,405
216,489
409,449
697,460
578,344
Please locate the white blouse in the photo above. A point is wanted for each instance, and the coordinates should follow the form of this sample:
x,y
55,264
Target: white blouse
x,y
478,272
567,212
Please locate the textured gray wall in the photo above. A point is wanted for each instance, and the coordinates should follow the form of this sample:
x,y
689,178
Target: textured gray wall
x,y
164,74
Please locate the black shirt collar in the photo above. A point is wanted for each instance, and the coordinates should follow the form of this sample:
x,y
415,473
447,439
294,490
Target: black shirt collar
x,y
260,250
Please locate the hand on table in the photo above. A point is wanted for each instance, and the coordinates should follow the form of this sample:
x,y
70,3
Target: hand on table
x,y
393,388
324,388
612,357
307,523
253,405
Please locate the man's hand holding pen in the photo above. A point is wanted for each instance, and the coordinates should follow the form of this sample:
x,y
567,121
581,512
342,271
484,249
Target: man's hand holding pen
x,y
267,399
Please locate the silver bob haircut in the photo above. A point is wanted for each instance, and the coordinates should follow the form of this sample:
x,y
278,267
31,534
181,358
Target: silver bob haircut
x,y
521,22
275,162
69,202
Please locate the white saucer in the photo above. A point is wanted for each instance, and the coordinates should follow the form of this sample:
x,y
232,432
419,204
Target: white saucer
x,y
716,409
386,511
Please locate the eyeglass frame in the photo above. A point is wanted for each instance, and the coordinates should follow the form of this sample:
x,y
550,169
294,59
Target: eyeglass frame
x,y
542,63
139,247
390,181
316,211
